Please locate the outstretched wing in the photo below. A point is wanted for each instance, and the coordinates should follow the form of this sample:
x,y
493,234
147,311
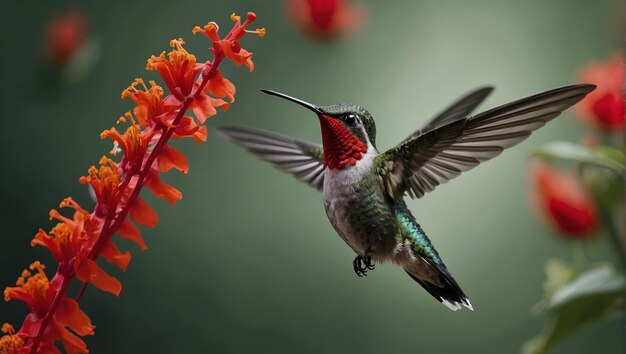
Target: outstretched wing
x,y
420,164
302,159
458,110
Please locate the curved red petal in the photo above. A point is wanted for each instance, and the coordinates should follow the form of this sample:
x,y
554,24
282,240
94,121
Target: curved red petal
x,y
130,232
71,343
89,271
170,158
242,56
70,315
163,190
143,214
202,108
112,254
201,134
43,239
219,86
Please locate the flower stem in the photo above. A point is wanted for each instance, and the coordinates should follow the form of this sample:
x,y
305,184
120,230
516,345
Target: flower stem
x,y
615,237
579,258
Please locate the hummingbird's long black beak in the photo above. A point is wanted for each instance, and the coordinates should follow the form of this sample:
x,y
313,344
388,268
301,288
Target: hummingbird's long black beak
x,y
293,99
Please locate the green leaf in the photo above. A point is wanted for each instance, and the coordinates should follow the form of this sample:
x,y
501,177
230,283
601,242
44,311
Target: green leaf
x,y
562,150
606,186
610,152
588,298
558,273
600,281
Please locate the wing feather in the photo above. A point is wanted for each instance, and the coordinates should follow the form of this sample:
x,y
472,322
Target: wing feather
x,y
302,159
460,109
438,153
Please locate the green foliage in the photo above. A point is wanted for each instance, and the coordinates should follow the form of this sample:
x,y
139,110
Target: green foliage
x,y
558,273
591,296
576,296
606,186
570,152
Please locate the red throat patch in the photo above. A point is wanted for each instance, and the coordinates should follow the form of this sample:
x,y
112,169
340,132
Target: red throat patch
x,y
341,148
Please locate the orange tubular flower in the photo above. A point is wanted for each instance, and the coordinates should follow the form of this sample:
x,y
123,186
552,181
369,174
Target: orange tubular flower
x,y
563,202
150,106
39,294
69,237
77,242
604,107
132,143
178,70
326,19
230,43
105,182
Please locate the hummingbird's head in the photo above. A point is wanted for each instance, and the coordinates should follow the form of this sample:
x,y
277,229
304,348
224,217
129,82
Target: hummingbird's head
x,y
354,118
348,131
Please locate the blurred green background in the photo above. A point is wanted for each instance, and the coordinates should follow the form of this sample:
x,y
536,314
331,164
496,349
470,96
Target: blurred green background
x,y
247,262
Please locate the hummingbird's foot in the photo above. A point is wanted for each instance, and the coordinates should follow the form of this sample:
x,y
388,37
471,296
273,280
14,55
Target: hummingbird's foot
x,y
367,259
359,269
363,263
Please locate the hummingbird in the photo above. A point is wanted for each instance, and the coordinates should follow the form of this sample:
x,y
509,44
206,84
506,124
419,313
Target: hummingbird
x,y
363,189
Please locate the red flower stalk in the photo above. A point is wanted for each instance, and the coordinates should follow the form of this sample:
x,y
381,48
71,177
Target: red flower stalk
x,y
562,201
65,34
326,19
77,242
604,107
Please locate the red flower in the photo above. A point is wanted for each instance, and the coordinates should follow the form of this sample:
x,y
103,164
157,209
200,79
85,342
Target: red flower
x,y
604,107
104,181
610,111
230,43
38,293
68,239
563,202
133,143
325,19
178,70
65,33
70,242
76,243
150,106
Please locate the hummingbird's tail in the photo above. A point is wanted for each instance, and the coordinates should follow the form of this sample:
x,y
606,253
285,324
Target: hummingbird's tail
x,y
448,292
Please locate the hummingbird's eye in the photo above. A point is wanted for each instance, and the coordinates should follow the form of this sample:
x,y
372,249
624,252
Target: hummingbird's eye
x,y
351,119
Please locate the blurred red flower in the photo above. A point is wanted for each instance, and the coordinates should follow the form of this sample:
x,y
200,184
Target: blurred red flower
x,y
562,201
604,107
64,34
326,19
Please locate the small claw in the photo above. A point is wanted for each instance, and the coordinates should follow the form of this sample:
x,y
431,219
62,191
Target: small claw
x,y
367,259
359,269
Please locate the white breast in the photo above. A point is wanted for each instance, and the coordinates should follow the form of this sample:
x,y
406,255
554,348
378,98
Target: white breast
x,y
339,187
339,181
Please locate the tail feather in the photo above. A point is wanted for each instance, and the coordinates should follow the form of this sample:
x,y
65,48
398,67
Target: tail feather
x,y
450,294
